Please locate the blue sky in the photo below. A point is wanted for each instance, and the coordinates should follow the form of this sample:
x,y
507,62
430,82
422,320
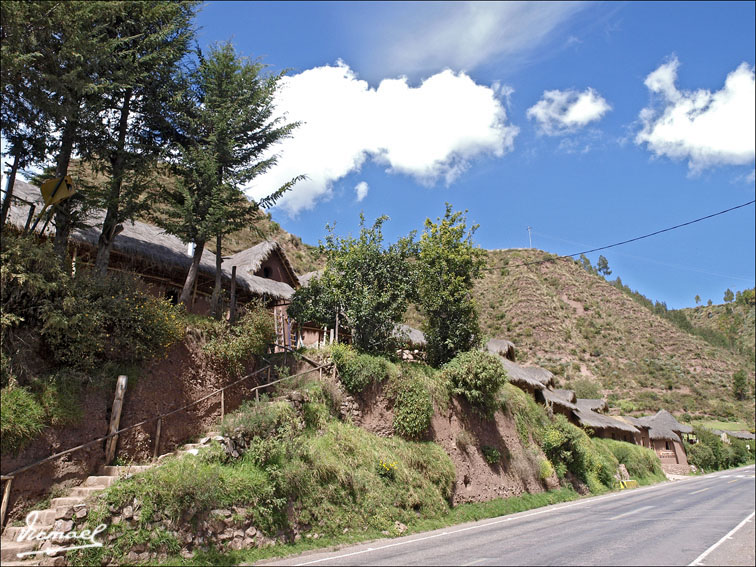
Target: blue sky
x,y
590,122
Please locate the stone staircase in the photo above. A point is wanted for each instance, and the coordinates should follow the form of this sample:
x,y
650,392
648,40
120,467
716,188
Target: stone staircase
x,y
59,516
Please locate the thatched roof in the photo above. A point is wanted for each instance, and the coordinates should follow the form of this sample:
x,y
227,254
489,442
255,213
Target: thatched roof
x,y
252,258
532,377
663,425
144,241
305,279
592,404
502,347
564,398
588,418
741,434
409,336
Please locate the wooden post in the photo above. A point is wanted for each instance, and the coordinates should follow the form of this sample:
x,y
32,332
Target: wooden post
x,y
223,403
6,498
115,418
257,394
157,439
232,308
268,374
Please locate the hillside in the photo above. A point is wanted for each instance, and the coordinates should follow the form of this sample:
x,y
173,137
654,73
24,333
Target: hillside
x,y
734,322
591,334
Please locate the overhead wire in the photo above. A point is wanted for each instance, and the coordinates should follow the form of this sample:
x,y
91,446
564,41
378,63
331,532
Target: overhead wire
x,y
635,239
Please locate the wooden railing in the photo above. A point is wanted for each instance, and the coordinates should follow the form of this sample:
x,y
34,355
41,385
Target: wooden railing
x,y
8,479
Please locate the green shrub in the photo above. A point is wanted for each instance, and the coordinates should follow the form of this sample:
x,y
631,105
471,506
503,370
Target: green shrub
x,y
357,371
413,410
233,345
108,319
642,464
545,470
22,417
477,376
491,454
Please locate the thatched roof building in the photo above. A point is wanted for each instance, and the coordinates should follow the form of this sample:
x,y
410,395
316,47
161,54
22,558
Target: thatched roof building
x,y
409,336
592,404
663,425
529,378
598,422
502,347
158,256
562,398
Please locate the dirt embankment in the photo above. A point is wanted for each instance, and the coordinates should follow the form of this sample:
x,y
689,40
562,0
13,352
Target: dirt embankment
x,y
463,432
183,376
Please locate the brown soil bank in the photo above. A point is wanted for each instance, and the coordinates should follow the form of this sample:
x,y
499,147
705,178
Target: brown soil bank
x,y
184,375
464,433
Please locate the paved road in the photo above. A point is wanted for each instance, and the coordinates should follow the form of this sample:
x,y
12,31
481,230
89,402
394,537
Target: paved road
x,y
673,523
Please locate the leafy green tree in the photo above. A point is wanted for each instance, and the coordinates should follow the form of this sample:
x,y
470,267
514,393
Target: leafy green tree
x,y
224,127
448,265
586,265
739,385
365,287
152,38
728,295
709,303
698,299
602,267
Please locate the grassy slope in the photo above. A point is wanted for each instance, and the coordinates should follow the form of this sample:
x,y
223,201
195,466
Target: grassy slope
x,y
581,328
736,321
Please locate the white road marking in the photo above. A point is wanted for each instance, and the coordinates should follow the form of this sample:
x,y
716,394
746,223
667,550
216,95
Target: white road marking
x,y
481,560
702,490
547,510
697,560
631,512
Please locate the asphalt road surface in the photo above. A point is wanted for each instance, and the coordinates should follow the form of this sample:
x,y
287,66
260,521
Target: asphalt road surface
x,y
705,520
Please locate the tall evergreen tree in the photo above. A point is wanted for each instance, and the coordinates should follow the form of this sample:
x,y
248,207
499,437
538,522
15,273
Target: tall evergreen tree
x,y
152,37
224,130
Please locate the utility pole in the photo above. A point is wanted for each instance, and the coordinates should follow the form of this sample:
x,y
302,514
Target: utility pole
x,y
530,239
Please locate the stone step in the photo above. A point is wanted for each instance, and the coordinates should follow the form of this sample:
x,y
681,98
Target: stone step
x,y
65,501
11,533
84,491
99,481
123,470
9,549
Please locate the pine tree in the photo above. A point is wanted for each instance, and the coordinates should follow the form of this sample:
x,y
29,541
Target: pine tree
x,y
224,127
152,38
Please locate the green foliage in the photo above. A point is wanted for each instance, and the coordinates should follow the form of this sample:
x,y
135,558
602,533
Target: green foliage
x,y
366,284
545,470
642,464
249,337
386,469
570,449
491,454
585,388
108,319
477,376
728,295
710,453
448,266
357,371
602,266
413,409
739,385
530,418
22,417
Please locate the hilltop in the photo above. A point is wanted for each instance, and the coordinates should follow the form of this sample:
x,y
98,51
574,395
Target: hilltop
x,y
597,339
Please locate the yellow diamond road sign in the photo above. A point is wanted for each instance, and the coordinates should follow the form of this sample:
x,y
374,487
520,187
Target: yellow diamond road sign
x,y
55,190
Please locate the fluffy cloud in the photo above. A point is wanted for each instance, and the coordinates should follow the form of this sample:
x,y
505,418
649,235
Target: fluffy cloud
x,y
361,189
706,128
429,132
562,112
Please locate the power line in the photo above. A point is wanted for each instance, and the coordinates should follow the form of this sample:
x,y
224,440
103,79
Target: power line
x,y
636,238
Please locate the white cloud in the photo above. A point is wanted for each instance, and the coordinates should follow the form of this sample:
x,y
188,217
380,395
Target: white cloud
x,y
429,132
426,37
562,112
361,190
706,128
